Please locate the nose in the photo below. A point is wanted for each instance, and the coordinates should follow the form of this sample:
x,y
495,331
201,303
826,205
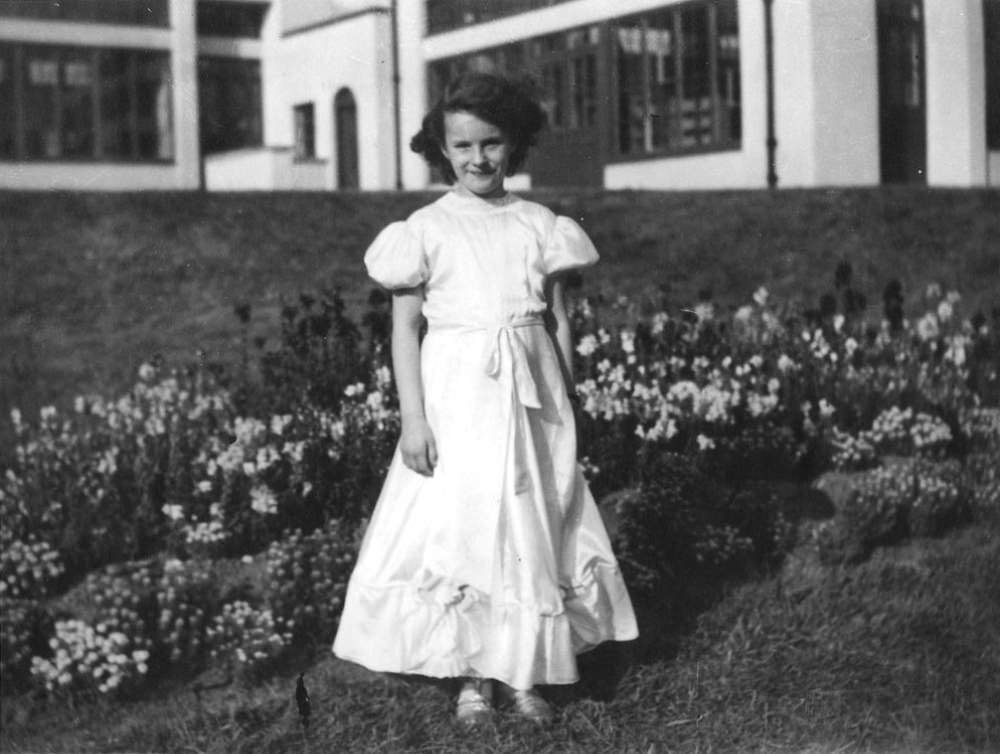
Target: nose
x,y
479,156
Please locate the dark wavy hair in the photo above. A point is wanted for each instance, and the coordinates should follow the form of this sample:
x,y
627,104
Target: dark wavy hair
x,y
512,105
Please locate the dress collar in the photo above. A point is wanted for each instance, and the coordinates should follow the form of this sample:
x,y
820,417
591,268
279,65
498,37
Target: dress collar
x,y
466,203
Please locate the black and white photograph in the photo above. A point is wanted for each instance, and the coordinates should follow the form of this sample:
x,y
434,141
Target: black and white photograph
x,y
500,376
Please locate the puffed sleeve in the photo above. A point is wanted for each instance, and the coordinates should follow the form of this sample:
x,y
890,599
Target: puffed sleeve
x,y
568,247
396,258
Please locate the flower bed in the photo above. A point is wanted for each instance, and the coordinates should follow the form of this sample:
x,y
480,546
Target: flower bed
x,y
694,413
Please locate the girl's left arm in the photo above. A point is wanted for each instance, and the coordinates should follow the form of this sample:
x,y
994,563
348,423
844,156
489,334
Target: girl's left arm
x,y
558,326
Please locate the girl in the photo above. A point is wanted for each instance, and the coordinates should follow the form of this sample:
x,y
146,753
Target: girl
x,y
485,559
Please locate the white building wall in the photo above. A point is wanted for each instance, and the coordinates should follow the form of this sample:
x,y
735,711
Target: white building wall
x,y
312,66
844,127
956,93
184,64
412,23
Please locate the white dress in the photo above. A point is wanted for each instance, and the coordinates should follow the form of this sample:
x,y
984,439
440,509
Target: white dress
x,y
498,565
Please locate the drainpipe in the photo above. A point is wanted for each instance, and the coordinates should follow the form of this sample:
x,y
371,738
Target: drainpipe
x,y
772,141
395,96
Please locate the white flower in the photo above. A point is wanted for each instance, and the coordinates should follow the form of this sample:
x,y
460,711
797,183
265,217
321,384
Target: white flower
x,y
279,422
146,372
785,364
927,326
838,322
705,442
263,500
825,409
945,311
173,511
760,296
204,486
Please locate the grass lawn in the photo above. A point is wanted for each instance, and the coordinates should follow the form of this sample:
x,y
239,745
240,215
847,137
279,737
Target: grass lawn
x,y
94,284
899,655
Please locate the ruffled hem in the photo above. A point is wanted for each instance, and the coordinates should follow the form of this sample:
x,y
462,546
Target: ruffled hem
x,y
446,630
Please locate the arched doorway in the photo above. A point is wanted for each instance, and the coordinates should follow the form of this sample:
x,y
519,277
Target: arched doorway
x,y
345,137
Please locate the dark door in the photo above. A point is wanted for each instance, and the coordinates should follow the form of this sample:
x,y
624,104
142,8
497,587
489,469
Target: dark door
x,y
571,150
902,109
345,118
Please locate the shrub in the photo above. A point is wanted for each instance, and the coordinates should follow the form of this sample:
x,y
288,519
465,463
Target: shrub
x,y
681,525
185,596
24,630
318,356
308,579
88,658
29,570
247,639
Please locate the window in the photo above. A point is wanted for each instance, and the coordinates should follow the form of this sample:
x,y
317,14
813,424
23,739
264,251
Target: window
x,y
678,79
674,83
85,103
230,105
127,12
305,131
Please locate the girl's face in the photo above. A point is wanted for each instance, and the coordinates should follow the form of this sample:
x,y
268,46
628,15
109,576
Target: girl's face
x,y
478,152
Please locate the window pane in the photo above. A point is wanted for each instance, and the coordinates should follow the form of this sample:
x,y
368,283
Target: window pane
x,y
554,92
131,12
230,19
77,104
230,103
41,83
305,132
728,44
116,114
664,107
631,87
7,108
154,121
991,22
696,102
583,91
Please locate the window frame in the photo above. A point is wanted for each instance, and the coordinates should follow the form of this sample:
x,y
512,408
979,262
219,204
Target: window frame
x,y
19,53
718,111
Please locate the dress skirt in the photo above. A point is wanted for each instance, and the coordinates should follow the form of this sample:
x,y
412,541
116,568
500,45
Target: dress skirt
x,y
497,566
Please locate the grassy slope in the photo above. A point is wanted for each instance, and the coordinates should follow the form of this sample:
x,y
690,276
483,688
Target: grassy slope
x,y
895,656
901,654
93,284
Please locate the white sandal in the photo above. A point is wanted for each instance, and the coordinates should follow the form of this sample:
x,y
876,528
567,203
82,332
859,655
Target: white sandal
x,y
475,703
530,705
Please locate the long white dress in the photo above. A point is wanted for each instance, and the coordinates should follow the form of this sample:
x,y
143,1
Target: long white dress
x,y
497,566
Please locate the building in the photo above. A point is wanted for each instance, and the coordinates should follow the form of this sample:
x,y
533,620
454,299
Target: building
x,y
658,94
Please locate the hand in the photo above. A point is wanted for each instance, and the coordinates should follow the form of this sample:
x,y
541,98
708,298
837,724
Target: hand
x,y
417,445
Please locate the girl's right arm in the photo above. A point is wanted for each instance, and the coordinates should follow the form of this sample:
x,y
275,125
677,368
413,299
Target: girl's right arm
x,y
416,442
